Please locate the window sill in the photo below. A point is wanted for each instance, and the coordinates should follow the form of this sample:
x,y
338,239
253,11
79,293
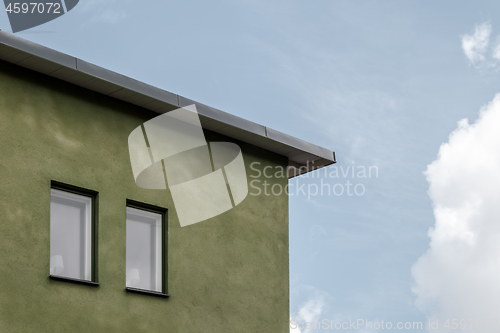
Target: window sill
x,y
147,292
66,279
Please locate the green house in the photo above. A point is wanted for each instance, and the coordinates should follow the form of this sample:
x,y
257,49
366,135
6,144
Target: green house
x,y
84,248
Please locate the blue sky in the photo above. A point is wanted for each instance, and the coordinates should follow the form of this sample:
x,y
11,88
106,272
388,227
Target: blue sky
x,y
382,83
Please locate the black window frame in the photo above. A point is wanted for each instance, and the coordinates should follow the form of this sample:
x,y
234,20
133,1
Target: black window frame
x,y
164,246
94,196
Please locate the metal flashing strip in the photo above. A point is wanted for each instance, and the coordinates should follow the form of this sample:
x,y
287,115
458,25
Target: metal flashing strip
x,y
303,156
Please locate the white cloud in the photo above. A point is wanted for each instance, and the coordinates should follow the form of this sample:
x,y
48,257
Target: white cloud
x,y
105,11
313,305
459,276
496,50
363,114
110,16
475,45
317,232
310,312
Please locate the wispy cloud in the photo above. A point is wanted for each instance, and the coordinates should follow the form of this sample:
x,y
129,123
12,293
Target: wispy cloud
x,y
496,50
316,312
476,44
459,275
363,112
310,311
317,232
110,12
110,16
479,49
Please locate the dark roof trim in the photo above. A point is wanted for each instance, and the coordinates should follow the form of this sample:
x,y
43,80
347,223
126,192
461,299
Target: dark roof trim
x,y
303,156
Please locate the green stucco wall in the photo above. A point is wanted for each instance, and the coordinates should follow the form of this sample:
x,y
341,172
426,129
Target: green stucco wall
x,y
226,274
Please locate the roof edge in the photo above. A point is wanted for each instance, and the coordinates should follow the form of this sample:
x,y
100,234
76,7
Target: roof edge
x,y
301,154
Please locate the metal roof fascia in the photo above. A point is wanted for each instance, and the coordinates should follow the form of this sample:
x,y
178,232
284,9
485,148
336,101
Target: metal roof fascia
x,y
102,75
37,50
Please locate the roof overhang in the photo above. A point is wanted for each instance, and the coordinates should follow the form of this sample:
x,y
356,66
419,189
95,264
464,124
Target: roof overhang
x,y
302,156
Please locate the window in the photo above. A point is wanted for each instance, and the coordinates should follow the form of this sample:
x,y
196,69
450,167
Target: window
x,y
71,232
145,249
